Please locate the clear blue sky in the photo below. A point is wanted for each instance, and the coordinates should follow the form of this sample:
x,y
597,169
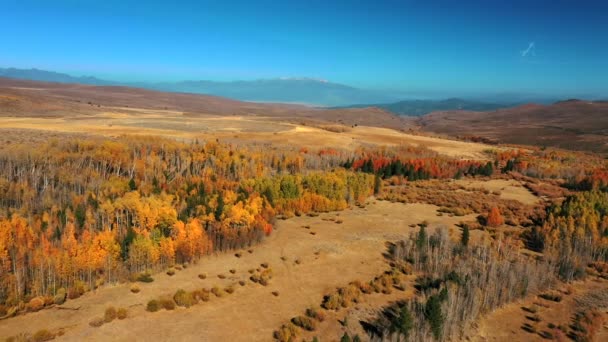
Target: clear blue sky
x,y
503,46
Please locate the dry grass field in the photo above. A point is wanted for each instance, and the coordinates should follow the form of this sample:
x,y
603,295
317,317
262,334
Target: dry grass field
x,y
49,108
505,324
507,189
238,129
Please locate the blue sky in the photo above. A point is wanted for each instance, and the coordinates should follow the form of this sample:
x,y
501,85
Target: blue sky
x,y
427,46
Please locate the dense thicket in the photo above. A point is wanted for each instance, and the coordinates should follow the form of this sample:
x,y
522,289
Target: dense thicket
x,y
575,232
457,283
419,168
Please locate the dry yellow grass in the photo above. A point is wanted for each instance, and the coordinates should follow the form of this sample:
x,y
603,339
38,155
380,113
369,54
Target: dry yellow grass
x,y
117,121
505,323
509,189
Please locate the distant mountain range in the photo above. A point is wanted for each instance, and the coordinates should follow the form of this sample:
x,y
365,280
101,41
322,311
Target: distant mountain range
x,y
283,90
50,76
306,91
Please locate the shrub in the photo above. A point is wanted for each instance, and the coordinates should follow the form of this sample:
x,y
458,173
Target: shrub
x,y
286,333
242,282
218,292
386,282
110,314
221,276
202,276
264,264
167,303
153,306
350,294
36,304
366,288
121,313
233,271
60,296
178,267
97,322
201,295
275,293
238,255
332,301
316,314
551,296
76,291
145,278
265,276
304,322
170,272
43,335
529,328
135,288
229,289
184,299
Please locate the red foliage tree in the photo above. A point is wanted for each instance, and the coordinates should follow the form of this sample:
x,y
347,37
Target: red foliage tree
x,y
495,219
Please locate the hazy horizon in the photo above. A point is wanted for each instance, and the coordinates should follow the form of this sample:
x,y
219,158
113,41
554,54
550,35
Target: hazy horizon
x,y
454,49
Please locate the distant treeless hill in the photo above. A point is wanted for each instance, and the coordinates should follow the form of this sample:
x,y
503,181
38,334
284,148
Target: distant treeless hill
x,y
570,124
33,98
422,107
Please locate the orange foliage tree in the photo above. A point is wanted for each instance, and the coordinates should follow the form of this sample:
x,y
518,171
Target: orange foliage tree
x,y
495,219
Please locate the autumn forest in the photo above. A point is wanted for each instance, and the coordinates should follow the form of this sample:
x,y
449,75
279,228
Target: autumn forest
x,y
81,213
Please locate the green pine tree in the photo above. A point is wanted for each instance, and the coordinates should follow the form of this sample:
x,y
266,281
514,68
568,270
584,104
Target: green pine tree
x,y
421,239
132,185
405,322
434,316
464,240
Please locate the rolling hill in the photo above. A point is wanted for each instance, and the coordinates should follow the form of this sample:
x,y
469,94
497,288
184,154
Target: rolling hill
x,y
44,99
570,124
422,107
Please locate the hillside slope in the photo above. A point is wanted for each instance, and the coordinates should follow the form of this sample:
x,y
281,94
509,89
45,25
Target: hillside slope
x,y
422,107
571,124
32,98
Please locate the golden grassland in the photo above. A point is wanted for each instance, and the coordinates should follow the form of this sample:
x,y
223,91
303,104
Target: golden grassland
x,y
241,129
